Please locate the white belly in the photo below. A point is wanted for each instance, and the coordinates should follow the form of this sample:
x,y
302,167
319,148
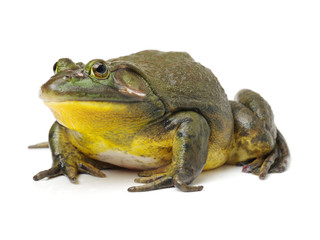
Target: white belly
x,y
127,160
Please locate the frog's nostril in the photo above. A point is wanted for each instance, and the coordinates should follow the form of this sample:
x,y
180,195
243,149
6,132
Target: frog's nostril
x,y
67,78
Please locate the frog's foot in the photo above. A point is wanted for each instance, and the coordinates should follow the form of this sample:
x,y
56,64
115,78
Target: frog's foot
x,y
165,177
67,159
156,179
72,167
275,162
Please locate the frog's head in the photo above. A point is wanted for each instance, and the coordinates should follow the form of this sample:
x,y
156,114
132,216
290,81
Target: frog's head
x,y
96,81
100,90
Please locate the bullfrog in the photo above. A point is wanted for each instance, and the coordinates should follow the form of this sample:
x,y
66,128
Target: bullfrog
x,y
159,113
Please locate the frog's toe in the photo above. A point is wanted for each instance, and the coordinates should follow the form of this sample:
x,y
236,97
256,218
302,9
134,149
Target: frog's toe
x,y
253,166
268,162
185,187
71,169
149,179
164,182
261,166
71,172
275,162
51,172
278,168
89,169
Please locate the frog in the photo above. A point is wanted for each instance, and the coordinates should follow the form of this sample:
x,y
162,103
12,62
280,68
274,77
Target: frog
x,y
161,114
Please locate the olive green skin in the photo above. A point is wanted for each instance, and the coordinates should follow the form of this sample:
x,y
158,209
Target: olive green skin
x,y
183,100
185,85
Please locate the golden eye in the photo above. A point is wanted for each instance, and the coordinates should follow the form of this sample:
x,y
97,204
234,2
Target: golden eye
x,y
100,70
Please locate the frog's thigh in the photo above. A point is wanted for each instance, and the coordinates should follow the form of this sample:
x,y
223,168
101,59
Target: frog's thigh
x,y
251,137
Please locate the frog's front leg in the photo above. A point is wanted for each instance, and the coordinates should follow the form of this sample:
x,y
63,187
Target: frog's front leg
x,y
189,155
67,160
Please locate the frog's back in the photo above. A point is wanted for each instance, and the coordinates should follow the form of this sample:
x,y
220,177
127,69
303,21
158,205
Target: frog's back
x,y
183,84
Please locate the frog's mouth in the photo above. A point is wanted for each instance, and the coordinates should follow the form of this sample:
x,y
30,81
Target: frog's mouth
x,y
98,94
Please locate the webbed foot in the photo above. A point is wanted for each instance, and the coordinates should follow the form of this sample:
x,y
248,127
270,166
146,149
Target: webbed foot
x,y
275,162
163,178
67,159
72,167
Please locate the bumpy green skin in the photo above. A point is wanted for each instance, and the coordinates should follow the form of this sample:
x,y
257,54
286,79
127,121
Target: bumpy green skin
x,y
181,97
175,77
185,85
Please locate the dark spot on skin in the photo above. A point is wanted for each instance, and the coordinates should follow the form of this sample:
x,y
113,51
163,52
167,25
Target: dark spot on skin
x,y
186,146
193,136
168,125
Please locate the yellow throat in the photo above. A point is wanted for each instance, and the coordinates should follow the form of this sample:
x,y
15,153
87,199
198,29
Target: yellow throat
x,y
99,117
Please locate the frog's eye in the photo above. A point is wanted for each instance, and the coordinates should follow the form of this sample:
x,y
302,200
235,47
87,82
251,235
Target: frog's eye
x,y
100,70
55,67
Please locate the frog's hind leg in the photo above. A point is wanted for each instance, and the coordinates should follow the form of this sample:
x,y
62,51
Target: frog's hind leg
x,y
256,137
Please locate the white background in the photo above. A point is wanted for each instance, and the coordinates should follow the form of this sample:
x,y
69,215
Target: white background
x,y
272,47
